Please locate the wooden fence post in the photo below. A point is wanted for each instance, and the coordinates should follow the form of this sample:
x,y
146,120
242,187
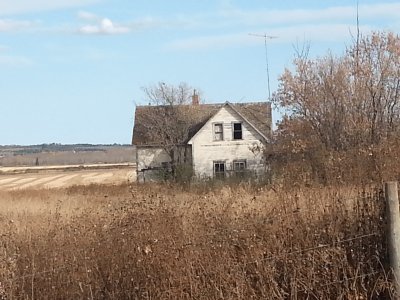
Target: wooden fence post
x,y
393,223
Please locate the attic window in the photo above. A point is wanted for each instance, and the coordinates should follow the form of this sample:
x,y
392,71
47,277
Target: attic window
x,y
237,131
218,132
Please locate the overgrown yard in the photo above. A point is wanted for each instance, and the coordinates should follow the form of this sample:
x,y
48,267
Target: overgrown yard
x,y
163,242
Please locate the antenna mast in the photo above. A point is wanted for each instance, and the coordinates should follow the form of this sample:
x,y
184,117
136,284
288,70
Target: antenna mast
x,y
265,36
358,34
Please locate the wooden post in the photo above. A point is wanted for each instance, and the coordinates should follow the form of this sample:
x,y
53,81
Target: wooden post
x,y
393,222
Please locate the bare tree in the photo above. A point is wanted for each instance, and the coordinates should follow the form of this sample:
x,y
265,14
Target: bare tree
x,y
348,103
348,100
168,94
377,93
169,119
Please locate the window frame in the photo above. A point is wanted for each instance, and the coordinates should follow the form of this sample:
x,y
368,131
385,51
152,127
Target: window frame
x,y
237,131
219,174
215,133
239,172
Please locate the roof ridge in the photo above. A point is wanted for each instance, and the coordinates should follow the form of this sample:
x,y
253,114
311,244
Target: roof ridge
x,y
247,103
167,105
210,104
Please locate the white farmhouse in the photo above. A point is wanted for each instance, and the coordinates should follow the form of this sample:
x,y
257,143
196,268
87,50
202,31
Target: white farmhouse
x,y
225,140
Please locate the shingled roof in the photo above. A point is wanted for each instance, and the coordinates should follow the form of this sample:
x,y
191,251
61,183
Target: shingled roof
x,y
257,114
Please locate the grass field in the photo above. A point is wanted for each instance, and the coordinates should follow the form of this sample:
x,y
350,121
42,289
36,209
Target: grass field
x,y
166,242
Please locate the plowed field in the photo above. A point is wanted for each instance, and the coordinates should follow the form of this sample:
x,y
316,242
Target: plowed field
x,y
58,179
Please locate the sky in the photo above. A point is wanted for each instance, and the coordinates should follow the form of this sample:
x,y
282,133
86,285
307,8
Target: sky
x,y
72,71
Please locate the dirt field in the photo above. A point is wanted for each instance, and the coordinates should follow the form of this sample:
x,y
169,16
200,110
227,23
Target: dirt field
x,y
65,178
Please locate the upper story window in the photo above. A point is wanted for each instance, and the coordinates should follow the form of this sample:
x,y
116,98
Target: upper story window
x,y
218,132
237,131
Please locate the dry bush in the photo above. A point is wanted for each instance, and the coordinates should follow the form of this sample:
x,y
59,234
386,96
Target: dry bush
x,y
162,242
359,166
342,114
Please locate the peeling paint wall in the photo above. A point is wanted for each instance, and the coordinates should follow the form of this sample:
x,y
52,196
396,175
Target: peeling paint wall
x,y
206,150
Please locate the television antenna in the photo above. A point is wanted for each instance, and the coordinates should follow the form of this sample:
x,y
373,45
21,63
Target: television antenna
x,y
266,37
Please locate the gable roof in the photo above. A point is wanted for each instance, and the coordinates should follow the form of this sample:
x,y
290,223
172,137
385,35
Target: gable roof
x,y
257,114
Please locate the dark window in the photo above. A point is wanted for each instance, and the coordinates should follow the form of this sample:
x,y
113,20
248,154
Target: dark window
x,y
219,169
165,171
239,167
166,165
218,132
237,131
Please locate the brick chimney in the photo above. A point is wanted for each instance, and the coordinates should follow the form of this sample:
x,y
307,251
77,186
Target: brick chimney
x,y
195,98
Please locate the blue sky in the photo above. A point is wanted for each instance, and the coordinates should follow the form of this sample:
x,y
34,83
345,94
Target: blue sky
x,y
72,71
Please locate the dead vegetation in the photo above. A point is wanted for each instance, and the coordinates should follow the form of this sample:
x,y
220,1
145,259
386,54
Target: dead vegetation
x,y
161,242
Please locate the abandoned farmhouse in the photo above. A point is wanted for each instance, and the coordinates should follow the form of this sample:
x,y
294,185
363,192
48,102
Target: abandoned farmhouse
x,y
213,140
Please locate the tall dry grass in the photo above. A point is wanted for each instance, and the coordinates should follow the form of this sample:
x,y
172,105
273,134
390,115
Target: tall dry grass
x,y
162,242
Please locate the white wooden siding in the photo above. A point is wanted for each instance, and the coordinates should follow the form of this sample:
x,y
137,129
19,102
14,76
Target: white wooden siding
x,y
152,157
148,158
206,150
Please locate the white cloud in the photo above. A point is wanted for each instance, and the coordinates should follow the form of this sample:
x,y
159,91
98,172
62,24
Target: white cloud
x,y
331,24
87,16
380,11
15,25
148,22
14,7
321,33
105,26
100,25
230,17
15,61
207,42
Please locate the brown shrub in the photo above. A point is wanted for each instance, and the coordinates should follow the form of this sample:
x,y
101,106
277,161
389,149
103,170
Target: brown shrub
x,y
160,242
